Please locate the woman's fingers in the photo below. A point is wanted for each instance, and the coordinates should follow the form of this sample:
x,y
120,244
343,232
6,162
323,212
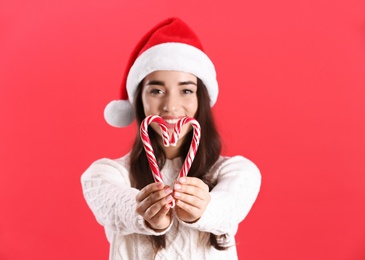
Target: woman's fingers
x,y
153,204
192,186
150,188
192,197
157,209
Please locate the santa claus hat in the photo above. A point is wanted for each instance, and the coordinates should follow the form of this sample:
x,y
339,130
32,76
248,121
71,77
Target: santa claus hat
x,y
170,45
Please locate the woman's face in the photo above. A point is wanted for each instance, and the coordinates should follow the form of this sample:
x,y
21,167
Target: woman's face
x,y
170,95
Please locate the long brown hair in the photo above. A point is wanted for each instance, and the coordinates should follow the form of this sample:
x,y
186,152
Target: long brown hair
x,y
207,154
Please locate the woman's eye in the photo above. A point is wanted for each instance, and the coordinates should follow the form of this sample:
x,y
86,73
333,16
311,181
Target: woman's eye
x,y
156,91
188,91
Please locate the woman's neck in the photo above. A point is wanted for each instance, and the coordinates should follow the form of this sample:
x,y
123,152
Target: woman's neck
x,y
171,152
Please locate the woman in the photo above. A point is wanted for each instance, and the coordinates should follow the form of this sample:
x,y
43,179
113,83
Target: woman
x,y
170,76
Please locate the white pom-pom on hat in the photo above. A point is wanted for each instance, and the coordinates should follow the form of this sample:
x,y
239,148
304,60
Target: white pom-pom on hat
x,y
170,45
119,113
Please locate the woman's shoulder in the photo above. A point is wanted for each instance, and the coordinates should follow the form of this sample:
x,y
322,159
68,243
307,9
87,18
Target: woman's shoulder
x,y
116,162
235,163
108,165
237,159
108,169
236,171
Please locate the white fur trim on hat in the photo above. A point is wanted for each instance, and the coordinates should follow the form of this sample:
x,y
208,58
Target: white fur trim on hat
x,y
173,56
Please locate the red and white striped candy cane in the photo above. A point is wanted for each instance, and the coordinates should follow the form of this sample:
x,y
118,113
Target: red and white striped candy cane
x,y
167,142
194,142
147,143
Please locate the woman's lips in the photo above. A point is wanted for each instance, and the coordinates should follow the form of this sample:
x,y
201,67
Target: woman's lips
x,y
170,122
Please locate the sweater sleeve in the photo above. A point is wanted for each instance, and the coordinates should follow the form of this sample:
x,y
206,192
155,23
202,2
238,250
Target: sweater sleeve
x,y
238,185
108,193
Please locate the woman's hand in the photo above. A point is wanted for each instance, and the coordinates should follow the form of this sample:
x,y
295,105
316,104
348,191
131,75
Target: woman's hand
x,y
153,204
192,198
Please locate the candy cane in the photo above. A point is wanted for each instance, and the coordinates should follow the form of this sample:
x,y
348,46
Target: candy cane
x,y
194,142
147,144
167,142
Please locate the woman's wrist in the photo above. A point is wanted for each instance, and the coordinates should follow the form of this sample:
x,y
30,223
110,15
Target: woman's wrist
x,y
158,230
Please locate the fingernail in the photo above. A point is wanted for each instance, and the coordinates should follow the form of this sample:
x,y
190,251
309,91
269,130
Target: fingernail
x,y
177,186
168,190
169,198
177,194
182,180
160,185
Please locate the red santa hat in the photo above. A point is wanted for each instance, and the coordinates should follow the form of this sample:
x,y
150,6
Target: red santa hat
x,y
170,45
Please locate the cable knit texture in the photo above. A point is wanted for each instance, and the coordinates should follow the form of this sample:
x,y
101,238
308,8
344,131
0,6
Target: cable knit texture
x,y
108,193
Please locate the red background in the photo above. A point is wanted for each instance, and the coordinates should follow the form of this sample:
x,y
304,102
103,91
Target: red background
x,y
292,99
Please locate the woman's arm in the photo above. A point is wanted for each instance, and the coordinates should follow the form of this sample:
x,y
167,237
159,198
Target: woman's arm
x,y
238,184
108,193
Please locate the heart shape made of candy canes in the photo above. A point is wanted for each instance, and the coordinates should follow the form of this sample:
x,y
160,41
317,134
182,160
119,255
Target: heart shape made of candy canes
x,y
167,141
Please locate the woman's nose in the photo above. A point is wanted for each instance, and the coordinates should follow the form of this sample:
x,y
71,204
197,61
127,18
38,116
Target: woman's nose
x,y
170,103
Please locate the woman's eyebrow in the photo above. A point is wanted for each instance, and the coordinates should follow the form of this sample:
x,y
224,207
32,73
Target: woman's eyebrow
x,y
161,83
155,82
182,83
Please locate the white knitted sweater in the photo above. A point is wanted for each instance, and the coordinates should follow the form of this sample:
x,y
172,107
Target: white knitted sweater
x,y
107,190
